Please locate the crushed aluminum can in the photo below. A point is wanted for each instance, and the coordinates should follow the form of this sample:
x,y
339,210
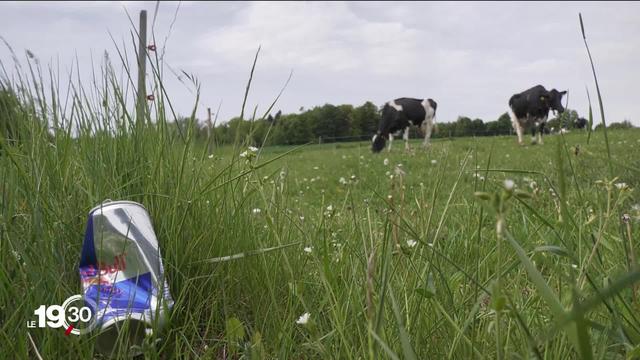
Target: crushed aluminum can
x,y
123,280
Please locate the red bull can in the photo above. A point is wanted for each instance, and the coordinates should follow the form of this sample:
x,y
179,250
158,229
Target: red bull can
x,y
122,275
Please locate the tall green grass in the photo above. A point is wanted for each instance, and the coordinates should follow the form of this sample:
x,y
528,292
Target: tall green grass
x,y
395,261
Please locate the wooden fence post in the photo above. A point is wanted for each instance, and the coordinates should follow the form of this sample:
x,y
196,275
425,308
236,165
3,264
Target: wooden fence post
x,y
209,130
142,69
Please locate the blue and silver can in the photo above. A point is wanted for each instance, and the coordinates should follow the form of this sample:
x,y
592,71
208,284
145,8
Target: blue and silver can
x,y
122,275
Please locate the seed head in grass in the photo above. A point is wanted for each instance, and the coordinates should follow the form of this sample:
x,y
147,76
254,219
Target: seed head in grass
x,y
621,186
303,319
509,184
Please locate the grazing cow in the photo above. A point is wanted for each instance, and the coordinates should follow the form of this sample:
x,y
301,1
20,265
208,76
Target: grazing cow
x,y
397,117
580,123
530,109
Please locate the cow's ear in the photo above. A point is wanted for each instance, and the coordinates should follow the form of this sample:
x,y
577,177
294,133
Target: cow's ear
x,y
563,92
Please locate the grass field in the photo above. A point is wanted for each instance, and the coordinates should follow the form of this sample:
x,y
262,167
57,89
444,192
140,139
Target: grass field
x,y
397,259
476,248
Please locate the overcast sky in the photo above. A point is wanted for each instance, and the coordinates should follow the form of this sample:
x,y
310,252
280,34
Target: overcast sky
x,y
469,57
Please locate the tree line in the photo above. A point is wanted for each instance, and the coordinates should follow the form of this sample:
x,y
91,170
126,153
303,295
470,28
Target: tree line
x,y
326,123
338,123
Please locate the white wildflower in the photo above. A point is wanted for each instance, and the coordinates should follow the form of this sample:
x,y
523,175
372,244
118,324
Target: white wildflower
x,y
386,162
308,249
343,181
244,154
621,186
509,184
330,208
434,161
412,243
303,319
315,168
256,211
211,156
253,149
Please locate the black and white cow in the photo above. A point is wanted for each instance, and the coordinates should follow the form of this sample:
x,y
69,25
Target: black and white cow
x,y
530,109
580,123
397,117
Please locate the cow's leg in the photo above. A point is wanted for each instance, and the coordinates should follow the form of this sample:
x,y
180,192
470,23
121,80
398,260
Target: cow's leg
x,y
519,131
427,127
516,126
390,141
541,130
405,136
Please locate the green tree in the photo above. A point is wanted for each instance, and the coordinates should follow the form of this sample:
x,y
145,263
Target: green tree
x,y
626,124
365,120
477,128
463,126
501,126
329,121
565,120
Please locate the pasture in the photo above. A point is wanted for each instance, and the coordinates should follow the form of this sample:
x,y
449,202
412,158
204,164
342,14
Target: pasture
x,y
392,255
475,248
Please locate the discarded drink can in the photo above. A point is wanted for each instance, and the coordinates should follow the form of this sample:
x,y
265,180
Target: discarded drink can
x,y
123,280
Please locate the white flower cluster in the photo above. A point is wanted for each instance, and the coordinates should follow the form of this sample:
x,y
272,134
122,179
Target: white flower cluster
x,y
303,319
329,211
250,153
344,181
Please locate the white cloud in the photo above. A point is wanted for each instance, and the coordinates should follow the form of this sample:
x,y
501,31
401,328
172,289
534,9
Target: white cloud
x,y
319,36
354,52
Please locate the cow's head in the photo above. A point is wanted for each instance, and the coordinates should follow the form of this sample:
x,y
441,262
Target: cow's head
x,y
377,143
554,100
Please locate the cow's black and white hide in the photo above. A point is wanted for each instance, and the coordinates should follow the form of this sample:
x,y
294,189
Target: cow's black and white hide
x,y
530,109
580,123
399,115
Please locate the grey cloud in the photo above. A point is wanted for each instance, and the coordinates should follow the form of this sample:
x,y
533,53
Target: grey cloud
x,y
470,57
